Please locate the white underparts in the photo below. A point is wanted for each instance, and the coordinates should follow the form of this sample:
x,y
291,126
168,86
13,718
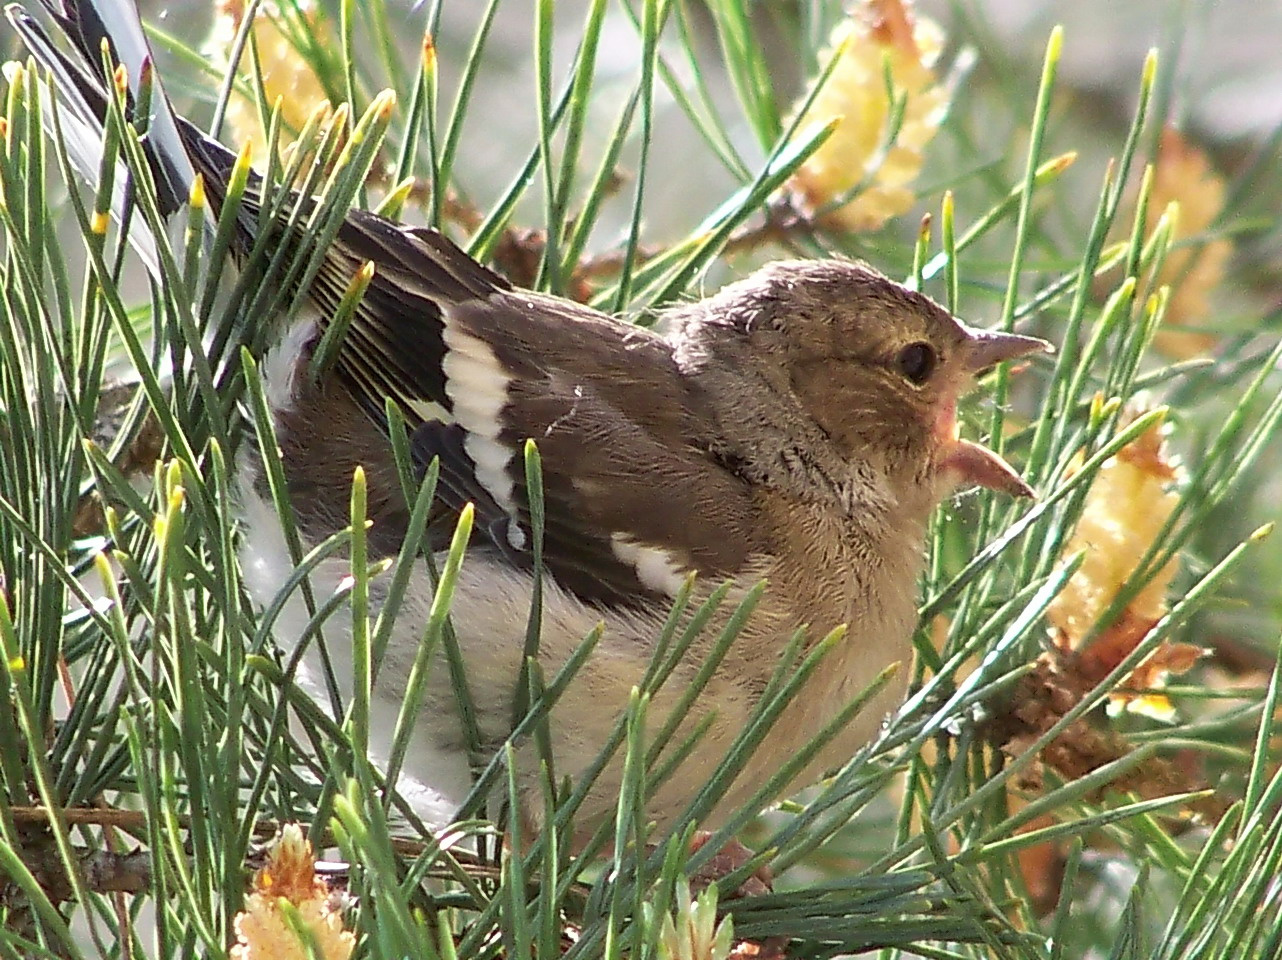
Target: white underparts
x,y
436,778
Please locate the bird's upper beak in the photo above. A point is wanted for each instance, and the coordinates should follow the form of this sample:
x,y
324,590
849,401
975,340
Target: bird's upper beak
x,y
970,462
987,348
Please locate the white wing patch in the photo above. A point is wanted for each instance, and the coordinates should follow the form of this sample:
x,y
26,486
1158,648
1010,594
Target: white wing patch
x,y
656,568
477,386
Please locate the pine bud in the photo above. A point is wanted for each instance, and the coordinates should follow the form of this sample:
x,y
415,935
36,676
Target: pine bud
x,y
288,79
1126,509
863,174
1183,174
262,930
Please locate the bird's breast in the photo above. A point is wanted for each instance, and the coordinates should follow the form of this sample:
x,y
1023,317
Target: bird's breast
x,y
825,574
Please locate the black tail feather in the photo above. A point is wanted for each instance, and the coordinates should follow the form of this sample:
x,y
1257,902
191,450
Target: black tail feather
x,y
82,85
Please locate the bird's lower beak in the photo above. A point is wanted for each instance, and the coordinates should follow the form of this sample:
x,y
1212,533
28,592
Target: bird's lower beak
x,y
974,463
968,463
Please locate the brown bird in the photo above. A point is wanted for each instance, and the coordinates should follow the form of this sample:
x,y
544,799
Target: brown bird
x,y
798,427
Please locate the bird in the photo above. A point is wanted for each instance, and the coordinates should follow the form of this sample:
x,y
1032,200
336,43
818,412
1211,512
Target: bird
x,y
796,428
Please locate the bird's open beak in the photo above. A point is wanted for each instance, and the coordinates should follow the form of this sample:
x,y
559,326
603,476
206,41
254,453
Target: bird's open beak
x,y
970,462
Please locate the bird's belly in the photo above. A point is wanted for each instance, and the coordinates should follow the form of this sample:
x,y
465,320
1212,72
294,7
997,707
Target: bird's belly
x,y
436,777
490,613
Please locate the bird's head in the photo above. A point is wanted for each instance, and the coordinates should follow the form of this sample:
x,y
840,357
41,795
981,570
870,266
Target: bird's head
x,y
871,370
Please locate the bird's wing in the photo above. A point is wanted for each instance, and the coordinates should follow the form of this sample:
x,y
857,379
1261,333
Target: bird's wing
x,y
633,499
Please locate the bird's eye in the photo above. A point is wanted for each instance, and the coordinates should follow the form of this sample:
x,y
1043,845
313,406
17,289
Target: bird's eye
x,y
917,362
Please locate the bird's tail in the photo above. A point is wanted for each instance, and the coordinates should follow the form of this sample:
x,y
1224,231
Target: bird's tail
x,y
79,71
